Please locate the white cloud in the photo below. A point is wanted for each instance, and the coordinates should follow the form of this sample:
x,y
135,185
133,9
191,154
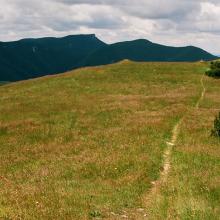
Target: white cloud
x,y
172,22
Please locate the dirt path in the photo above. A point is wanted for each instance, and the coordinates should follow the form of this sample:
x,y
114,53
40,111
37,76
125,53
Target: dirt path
x,y
166,165
167,154
175,134
203,91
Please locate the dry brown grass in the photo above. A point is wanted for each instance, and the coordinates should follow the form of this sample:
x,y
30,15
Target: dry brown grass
x,y
89,142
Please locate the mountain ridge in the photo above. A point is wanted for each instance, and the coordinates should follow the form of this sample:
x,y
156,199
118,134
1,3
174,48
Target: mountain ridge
x,y
30,58
35,57
144,50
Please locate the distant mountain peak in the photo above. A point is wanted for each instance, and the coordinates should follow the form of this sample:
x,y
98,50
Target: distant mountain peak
x,y
80,35
142,40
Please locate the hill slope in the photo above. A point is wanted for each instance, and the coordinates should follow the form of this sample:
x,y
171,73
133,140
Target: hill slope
x,y
90,143
143,50
30,58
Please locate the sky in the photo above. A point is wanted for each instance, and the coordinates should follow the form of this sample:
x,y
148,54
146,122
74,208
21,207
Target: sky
x,y
169,22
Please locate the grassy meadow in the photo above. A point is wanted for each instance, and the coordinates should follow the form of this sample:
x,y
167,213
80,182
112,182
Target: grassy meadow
x,y
193,187
89,143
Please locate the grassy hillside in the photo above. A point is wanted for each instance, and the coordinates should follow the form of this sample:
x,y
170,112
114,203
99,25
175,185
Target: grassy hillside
x,y
193,187
90,143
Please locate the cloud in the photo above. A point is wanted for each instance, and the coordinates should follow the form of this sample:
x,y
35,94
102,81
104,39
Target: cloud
x,y
145,8
173,22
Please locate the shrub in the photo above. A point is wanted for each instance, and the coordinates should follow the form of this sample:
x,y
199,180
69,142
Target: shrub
x,y
95,214
214,70
216,129
215,64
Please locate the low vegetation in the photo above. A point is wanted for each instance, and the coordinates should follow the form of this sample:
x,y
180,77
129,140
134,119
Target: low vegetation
x,y
216,129
90,143
214,70
193,187
3,83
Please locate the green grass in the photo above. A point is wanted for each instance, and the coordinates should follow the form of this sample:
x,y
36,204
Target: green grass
x,y
193,187
89,142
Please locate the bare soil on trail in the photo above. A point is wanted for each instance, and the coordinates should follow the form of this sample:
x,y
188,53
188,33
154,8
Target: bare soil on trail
x,y
167,154
156,185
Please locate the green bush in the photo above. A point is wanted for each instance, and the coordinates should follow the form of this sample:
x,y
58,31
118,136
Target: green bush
x,y
215,64
216,129
95,214
214,70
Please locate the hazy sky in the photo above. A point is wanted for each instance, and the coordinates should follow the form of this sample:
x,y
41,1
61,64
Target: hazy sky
x,y
170,22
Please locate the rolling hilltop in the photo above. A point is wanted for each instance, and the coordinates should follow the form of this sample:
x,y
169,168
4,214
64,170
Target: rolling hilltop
x,y
92,143
144,50
30,58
